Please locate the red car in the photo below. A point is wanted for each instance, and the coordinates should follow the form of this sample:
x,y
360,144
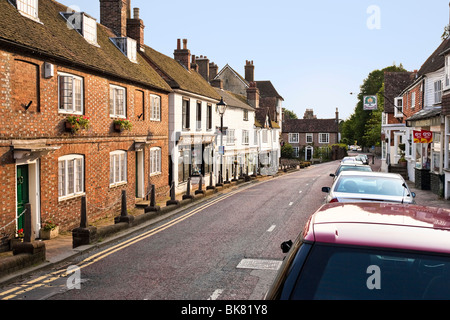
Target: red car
x,y
368,251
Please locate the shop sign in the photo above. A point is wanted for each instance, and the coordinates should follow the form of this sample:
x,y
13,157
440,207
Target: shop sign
x,y
423,136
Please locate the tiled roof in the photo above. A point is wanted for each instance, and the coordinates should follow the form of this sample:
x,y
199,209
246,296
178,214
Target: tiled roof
x,y
310,126
234,100
394,84
178,76
52,39
266,90
436,60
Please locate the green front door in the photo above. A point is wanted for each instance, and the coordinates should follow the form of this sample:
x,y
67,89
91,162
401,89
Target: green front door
x,y
23,196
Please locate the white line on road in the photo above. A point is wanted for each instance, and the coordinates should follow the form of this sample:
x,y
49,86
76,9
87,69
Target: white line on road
x,y
271,228
215,294
291,203
300,191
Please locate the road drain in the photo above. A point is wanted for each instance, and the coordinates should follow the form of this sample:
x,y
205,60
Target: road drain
x,y
259,264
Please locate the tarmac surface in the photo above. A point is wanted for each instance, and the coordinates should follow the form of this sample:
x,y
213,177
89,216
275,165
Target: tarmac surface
x,y
60,248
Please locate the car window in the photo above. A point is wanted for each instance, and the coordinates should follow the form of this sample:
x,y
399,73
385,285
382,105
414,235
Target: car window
x,y
332,272
371,185
353,168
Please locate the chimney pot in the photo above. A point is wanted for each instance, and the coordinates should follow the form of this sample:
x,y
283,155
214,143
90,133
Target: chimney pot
x,y
184,44
136,13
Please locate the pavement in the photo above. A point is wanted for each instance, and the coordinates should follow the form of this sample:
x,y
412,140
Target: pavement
x,y
59,249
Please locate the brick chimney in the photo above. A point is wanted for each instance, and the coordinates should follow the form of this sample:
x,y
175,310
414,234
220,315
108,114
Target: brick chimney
x,y
253,95
183,55
194,64
114,15
203,67
135,28
249,71
213,70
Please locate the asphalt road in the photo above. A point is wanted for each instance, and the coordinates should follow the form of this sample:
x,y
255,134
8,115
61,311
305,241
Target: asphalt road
x,y
227,248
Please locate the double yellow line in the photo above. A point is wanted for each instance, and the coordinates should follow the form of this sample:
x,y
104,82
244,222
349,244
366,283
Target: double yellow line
x,y
45,280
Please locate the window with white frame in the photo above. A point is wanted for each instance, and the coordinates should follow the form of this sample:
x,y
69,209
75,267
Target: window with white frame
x,y
413,100
447,71
245,115
230,136
437,91
436,152
28,8
309,138
398,110
117,101
117,167
296,152
155,107
155,161
70,93
127,46
83,24
255,137
264,136
293,137
70,175
324,137
245,137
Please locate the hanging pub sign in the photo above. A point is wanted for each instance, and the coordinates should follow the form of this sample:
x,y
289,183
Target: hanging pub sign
x,y
370,103
423,136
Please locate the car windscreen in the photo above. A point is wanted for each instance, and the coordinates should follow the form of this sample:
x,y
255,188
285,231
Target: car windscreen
x,y
354,168
349,273
371,185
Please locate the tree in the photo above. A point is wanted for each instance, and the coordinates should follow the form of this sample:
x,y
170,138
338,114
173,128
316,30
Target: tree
x,y
364,126
287,151
288,114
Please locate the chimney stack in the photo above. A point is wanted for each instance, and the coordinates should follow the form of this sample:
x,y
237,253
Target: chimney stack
x,y
213,70
249,71
183,55
253,95
203,67
135,28
114,15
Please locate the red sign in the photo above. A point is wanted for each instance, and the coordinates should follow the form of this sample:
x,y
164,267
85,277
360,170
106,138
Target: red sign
x,y
427,136
423,136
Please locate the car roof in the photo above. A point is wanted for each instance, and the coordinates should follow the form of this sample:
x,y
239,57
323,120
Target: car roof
x,y
386,225
371,174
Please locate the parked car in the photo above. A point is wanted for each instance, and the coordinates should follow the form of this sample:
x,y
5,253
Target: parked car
x,y
351,160
370,251
350,166
352,186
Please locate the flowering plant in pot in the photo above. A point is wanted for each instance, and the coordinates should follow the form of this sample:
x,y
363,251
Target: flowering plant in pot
x,y
122,124
75,123
49,230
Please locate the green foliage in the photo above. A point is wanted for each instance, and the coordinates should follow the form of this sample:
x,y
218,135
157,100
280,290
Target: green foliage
x,y
365,126
288,114
287,151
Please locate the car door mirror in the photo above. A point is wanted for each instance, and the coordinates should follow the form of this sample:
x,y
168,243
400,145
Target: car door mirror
x,y
326,189
286,246
413,194
332,174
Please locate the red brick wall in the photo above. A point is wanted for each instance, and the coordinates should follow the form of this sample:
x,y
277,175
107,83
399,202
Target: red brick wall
x,y
21,81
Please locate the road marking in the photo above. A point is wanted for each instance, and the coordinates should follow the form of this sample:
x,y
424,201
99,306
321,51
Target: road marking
x,y
215,294
103,254
300,191
271,228
259,264
291,203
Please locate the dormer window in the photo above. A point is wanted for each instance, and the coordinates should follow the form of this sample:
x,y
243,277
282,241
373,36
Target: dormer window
x,y
83,24
128,47
447,72
28,8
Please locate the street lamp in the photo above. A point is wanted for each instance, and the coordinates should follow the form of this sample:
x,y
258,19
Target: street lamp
x,y
221,107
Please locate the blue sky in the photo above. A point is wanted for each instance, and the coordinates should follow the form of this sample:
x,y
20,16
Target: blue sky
x,y
314,52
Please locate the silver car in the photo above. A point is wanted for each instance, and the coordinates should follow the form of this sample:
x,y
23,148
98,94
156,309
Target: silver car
x,y
354,186
350,167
